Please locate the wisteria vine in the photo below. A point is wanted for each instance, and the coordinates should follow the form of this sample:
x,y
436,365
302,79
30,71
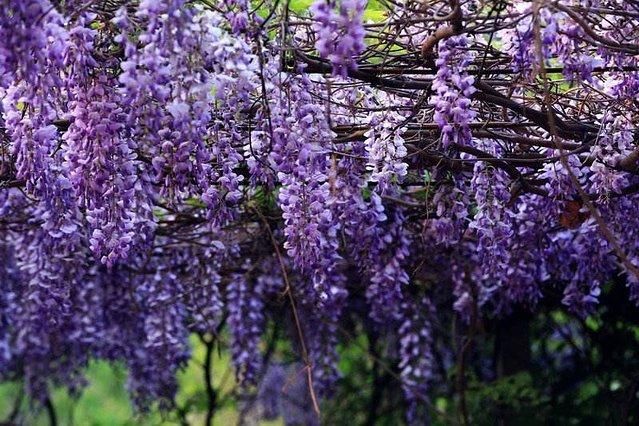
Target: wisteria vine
x,y
171,167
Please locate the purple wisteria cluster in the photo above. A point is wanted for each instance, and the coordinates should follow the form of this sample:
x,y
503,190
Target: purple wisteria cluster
x,y
547,35
416,363
107,150
340,32
101,160
171,167
453,88
299,152
386,151
300,144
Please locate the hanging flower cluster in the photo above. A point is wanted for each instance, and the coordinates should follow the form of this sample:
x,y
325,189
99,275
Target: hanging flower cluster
x,y
386,151
453,88
340,32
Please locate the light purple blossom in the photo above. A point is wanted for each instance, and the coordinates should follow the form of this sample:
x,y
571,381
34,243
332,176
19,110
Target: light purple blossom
x,y
453,88
339,32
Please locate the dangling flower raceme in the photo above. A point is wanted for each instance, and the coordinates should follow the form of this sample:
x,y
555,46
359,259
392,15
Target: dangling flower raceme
x,y
165,334
520,41
300,140
245,301
157,102
339,32
202,284
170,103
416,356
51,253
492,221
378,245
453,88
450,201
388,275
615,142
32,61
386,151
102,162
584,263
299,153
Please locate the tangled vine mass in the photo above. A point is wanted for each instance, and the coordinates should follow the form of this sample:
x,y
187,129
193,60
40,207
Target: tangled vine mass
x,y
173,167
